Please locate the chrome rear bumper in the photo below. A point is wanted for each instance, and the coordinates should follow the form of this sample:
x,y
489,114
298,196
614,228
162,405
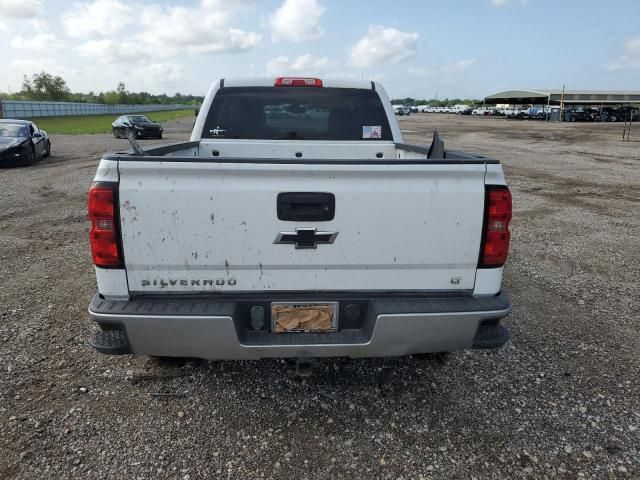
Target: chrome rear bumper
x,y
217,328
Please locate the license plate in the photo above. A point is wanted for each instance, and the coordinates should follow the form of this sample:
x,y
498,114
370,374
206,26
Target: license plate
x,y
301,317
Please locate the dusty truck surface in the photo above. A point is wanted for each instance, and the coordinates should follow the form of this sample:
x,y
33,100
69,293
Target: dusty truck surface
x,y
296,223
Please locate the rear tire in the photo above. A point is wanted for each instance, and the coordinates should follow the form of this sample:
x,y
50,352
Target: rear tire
x,y
47,152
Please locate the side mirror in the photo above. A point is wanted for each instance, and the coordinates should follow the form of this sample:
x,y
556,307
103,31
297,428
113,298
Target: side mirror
x,y
37,135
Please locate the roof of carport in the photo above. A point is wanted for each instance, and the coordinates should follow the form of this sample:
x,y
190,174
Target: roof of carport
x,y
518,96
583,97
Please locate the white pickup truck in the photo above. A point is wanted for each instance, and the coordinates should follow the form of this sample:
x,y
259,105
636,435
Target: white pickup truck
x,y
296,223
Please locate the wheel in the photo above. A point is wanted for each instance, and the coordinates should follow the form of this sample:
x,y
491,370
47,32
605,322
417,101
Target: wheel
x,y
47,152
30,159
115,132
160,137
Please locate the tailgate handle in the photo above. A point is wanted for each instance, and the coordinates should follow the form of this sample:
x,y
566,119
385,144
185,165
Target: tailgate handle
x,y
306,206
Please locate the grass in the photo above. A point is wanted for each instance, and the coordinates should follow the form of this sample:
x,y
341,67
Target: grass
x,y
73,125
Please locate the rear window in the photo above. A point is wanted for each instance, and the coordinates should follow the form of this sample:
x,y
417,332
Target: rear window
x,y
297,113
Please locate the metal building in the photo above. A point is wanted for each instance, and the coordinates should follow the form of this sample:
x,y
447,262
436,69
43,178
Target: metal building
x,y
556,97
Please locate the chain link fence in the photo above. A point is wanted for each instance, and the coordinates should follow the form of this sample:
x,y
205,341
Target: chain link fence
x,y
24,109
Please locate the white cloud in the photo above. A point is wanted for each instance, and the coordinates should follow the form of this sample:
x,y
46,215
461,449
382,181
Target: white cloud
x,y
39,24
35,43
630,56
155,77
112,51
450,67
384,45
503,3
102,18
20,8
202,29
160,73
303,64
297,21
29,66
166,32
459,66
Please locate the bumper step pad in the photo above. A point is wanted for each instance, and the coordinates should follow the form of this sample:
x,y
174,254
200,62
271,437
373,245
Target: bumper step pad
x,y
491,336
111,342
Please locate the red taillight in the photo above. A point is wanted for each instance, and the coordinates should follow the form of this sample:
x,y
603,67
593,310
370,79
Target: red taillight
x,y
103,235
297,82
495,244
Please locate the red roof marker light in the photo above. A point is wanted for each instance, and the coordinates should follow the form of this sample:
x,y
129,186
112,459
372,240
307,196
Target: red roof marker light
x,y
297,82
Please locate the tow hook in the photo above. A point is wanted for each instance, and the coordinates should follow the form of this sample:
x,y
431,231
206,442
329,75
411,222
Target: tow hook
x,y
304,368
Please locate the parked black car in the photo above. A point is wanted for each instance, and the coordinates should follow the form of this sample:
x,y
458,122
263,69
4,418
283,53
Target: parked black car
x,y
139,124
575,115
622,114
22,142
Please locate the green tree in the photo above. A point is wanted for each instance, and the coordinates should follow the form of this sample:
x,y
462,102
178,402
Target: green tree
x,y
111,98
44,86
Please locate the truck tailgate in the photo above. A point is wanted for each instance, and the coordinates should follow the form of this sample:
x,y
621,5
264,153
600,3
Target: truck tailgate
x,y
200,226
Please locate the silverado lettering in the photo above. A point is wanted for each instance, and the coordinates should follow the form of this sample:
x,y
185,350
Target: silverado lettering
x,y
185,282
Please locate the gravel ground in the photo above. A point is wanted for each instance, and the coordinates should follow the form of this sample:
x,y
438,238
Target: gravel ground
x,y
562,400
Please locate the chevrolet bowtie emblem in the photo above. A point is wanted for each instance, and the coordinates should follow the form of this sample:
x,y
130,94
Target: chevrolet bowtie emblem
x,y
306,237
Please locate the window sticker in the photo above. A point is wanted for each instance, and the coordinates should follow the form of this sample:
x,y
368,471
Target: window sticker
x,y
372,131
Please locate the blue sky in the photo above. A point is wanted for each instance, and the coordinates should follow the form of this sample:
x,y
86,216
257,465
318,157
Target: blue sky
x,y
466,48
